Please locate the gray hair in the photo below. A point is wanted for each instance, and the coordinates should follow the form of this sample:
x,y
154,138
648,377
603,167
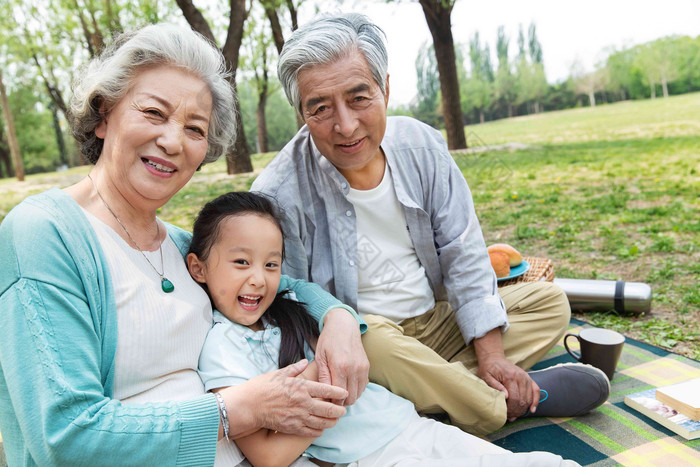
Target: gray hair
x,y
326,40
107,78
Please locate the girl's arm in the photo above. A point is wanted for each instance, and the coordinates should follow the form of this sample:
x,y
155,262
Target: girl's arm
x,y
270,448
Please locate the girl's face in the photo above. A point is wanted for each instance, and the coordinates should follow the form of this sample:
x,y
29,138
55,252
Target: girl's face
x,y
242,271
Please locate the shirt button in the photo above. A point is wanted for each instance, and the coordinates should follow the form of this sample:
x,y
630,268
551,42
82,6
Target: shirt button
x,y
348,213
276,331
352,263
343,185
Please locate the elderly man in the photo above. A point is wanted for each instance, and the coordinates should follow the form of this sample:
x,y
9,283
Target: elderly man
x,y
379,214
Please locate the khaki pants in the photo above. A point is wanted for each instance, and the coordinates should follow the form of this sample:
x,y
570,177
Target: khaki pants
x,y
425,359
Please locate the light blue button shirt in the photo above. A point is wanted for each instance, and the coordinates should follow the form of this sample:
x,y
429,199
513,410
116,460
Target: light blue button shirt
x,y
321,230
233,354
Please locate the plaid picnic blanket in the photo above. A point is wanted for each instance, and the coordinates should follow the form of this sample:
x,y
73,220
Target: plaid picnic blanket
x,y
613,434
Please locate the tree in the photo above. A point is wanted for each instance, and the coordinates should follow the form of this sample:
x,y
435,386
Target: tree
x,y
437,14
5,161
279,115
45,40
506,86
258,57
588,83
658,62
428,84
239,160
537,84
534,46
477,92
619,65
272,8
11,134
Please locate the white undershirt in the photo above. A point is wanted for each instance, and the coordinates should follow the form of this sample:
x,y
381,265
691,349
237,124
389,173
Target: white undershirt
x,y
160,335
391,280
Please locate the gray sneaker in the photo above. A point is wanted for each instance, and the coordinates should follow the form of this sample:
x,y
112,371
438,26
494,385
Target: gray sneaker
x,y
570,389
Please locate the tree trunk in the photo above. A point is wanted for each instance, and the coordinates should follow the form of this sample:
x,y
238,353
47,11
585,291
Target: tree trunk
x,y
262,123
276,27
51,86
278,37
437,15
6,166
86,32
196,20
237,161
262,101
664,86
11,135
591,98
652,84
293,14
5,157
62,154
481,116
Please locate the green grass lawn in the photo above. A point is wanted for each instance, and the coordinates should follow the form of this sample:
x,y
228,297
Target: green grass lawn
x,y
609,192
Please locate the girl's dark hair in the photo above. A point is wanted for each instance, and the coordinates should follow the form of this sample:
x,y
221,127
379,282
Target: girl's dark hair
x,y
207,225
296,325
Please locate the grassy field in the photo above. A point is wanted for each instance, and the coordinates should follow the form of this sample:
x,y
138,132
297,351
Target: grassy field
x,y
610,192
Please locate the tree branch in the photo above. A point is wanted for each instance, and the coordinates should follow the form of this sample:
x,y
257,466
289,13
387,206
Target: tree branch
x,y
195,19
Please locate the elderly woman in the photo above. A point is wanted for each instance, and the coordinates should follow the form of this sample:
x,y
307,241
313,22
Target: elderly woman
x,y
102,325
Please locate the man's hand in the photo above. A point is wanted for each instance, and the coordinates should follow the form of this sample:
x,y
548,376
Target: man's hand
x,y
340,357
522,393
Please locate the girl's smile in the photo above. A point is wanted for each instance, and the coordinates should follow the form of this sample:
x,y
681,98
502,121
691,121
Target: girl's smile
x,y
243,268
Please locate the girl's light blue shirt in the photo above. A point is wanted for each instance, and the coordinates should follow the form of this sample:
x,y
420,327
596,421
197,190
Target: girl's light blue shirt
x,y
233,354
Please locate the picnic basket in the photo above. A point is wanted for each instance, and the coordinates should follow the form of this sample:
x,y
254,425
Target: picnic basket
x,y
541,269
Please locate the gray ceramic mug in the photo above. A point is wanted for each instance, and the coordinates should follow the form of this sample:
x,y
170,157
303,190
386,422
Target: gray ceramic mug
x,y
599,347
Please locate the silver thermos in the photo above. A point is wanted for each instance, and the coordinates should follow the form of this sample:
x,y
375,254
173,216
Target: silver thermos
x,y
601,295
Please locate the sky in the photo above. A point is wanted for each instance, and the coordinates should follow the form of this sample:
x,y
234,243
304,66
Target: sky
x,y
569,31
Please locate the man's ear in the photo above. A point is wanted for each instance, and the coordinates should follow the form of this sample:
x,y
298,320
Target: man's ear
x,y
196,268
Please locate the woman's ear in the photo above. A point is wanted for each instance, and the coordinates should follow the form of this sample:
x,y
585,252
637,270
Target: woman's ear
x,y
101,128
196,268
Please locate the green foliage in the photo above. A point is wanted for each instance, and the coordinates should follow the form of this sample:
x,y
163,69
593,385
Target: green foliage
x,y
281,117
42,45
35,134
428,84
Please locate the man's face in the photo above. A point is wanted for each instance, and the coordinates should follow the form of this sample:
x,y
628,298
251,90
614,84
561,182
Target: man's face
x,y
345,111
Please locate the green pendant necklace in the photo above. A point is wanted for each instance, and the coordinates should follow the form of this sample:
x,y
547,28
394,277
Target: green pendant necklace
x,y
165,284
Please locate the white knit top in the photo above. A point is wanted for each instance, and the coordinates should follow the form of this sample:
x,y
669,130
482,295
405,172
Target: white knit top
x,y
160,335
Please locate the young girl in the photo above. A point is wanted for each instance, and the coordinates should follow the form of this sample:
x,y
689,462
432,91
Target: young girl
x,y
236,254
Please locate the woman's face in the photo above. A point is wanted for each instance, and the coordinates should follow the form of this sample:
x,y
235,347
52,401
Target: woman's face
x,y
155,137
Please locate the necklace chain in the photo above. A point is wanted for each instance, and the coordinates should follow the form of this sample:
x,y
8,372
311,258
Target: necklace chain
x,y
166,285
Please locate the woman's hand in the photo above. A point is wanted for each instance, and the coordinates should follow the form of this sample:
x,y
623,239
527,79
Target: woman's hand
x,y
279,401
340,356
